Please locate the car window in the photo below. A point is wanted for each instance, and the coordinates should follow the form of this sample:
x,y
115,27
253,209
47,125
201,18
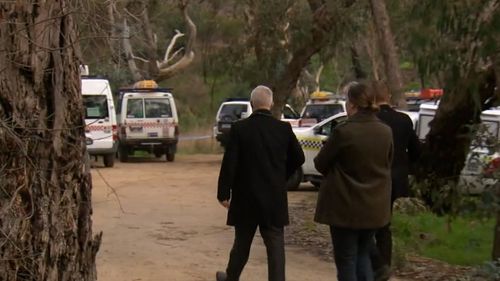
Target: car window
x,y
96,106
327,128
135,108
321,111
288,113
232,111
157,108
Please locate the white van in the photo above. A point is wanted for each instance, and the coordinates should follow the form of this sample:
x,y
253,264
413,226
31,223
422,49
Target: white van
x,y
148,121
481,156
100,118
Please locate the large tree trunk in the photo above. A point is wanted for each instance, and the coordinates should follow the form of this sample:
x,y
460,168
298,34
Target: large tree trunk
x,y
389,51
45,195
450,136
287,82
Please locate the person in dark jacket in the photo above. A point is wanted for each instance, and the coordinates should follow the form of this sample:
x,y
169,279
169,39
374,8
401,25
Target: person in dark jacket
x,y
406,152
354,197
261,155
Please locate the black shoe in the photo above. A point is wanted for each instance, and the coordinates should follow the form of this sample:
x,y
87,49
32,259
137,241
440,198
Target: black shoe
x,y
220,276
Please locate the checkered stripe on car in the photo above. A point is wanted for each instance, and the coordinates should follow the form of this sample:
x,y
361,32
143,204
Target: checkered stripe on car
x,y
314,144
152,125
98,128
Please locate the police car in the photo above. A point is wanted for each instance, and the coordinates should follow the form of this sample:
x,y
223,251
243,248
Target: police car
x,y
321,105
311,140
148,121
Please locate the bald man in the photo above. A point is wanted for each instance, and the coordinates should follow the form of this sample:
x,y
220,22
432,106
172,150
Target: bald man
x,y
261,155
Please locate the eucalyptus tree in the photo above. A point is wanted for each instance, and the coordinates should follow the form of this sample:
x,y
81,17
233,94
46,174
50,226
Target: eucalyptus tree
x,y
45,188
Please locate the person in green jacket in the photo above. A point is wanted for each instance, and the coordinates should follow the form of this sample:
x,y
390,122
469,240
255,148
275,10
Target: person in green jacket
x,y
355,195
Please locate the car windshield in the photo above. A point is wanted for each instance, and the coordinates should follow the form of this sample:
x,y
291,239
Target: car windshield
x,y
322,111
232,111
158,108
288,113
96,106
135,108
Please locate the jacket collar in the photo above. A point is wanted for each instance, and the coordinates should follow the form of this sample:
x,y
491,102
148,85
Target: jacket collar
x,y
362,116
262,112
385,107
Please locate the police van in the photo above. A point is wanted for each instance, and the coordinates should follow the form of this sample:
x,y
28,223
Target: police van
x,y
312,139
100,118
321,105
148,121
484,154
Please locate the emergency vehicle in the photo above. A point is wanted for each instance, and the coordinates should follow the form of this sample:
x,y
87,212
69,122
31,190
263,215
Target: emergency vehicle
x,y
148,121
311,140
483,156
321,105
234,109
100,119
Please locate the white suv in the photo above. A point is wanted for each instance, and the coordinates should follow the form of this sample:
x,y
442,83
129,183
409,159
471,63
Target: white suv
x,y
148,121
235,109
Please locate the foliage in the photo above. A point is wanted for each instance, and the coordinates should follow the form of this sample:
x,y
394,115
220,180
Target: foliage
x,y
466,241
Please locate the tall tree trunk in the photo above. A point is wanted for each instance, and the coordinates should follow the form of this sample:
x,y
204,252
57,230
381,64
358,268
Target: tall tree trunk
x,y
287,82
496,231
450,136
389,51
45,195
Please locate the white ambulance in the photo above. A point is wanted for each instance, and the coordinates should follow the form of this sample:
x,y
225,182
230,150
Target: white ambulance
x,y
100,118
148,121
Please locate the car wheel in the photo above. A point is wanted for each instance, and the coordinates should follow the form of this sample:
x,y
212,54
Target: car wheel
x,y
316,184
109,160
123,153
170,156
295,180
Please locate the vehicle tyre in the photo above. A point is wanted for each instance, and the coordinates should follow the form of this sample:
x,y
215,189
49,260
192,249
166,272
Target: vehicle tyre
x,y
109,160
123,153
295,180
158,154
316,184
170,156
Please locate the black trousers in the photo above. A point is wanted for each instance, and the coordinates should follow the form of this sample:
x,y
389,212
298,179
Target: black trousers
x,y
275,245
382,252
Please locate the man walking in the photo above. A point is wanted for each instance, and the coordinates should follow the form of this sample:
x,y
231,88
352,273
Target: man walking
x,y
261,155
406,151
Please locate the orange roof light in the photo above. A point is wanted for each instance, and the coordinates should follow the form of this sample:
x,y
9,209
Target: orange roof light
x,y
321,95
145,84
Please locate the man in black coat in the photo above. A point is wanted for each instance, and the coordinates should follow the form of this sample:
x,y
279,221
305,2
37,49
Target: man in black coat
x,y
406,152
261,155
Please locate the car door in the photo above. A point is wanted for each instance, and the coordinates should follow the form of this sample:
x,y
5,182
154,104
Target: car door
x,y
321,134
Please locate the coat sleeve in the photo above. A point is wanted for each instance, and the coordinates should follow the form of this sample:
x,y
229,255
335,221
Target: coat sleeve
x,y
413,145
326,156
228,168
295,154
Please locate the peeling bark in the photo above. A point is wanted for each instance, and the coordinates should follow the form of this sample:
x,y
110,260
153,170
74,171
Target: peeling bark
x,y
45,195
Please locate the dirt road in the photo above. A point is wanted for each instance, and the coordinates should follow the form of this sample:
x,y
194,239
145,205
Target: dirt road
x,y
169,226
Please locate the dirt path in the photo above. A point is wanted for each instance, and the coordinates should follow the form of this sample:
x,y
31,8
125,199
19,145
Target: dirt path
x,y
171,227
